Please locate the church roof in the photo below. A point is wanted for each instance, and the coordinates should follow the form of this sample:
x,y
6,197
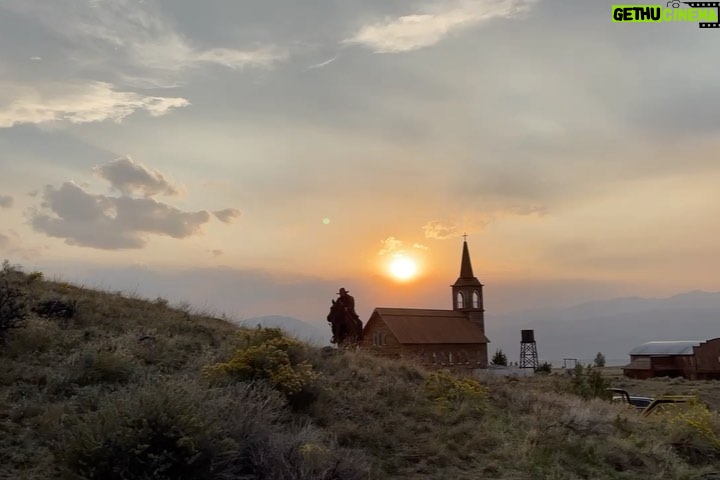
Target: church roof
x,y
410,325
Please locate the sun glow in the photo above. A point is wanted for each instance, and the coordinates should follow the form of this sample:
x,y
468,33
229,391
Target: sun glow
x,y
402,267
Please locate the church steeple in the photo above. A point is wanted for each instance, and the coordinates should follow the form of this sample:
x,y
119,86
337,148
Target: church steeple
x,y
467,289
466,271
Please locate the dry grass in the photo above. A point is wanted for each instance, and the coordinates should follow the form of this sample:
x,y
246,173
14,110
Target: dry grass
x,y
121,390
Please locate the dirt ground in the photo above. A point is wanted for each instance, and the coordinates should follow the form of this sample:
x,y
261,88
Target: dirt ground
x,y
707,390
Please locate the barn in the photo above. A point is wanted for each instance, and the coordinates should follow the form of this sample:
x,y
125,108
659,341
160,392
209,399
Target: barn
x,y
441,338
692,359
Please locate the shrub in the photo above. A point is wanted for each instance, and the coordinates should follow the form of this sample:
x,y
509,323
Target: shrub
x,y
13,310
57,308
450,391
269,355
695,432
589,383
177,429
35,277
544,368
93,367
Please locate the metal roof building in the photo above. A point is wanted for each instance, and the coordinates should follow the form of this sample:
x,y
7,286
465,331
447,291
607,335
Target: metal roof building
x,y
673,347
692,359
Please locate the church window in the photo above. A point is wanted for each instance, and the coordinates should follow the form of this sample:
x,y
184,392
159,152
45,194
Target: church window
x,y
476,299
450,358
460,300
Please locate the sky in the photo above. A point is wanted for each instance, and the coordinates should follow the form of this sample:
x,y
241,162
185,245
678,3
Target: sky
x,y
254,157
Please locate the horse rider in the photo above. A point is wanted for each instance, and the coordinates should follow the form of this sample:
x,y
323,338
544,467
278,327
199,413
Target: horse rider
x,y
348,302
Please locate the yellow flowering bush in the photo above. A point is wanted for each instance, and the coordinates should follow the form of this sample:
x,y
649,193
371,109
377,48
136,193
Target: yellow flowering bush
x,y
269,355
449,390
698,426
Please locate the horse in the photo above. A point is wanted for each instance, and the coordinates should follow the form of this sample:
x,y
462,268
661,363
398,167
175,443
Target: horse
x,y
346,329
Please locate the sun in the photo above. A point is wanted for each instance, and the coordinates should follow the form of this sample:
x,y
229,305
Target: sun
x,y
403,268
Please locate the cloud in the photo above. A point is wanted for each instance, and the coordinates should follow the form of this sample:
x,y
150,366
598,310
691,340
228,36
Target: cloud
x,y
439,231
528,210
137,40
4,240
6,201
390,245
323,64
103,222
235,59
412,32
217,252
122,222
227,215
420,246
130,177
79,103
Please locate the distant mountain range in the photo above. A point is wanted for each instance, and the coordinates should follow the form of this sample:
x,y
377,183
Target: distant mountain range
x,y
612,327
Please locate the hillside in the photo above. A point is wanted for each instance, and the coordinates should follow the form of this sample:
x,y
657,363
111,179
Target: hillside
x,y
112,387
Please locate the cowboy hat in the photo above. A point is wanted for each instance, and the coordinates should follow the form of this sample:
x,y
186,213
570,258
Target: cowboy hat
x,y
342,290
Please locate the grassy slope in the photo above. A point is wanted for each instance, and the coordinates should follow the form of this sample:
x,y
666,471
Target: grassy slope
x,y
121,387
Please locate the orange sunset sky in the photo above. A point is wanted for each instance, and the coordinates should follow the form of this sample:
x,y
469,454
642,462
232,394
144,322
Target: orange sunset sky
x,y
194,149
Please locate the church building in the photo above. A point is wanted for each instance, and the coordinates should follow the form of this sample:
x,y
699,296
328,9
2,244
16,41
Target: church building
x,y
436,338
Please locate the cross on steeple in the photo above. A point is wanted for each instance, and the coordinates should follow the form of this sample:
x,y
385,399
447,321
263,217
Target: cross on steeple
x,y
464,236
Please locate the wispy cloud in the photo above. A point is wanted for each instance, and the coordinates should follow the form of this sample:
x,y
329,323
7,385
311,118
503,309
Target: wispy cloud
x,y
390,245
539,210
433,24
323,64
79,103
440,231
136,39
6,201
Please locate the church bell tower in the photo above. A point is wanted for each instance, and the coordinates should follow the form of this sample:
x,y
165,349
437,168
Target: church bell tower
x,y
467,291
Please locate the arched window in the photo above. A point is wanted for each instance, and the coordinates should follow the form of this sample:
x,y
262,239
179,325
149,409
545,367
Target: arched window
x,y
476,299
460,300
450,358
434,358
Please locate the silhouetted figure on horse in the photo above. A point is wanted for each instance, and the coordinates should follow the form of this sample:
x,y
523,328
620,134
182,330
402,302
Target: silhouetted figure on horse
x,y
345,322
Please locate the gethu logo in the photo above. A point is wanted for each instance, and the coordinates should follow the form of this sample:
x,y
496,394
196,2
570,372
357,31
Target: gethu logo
x,y
705,13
